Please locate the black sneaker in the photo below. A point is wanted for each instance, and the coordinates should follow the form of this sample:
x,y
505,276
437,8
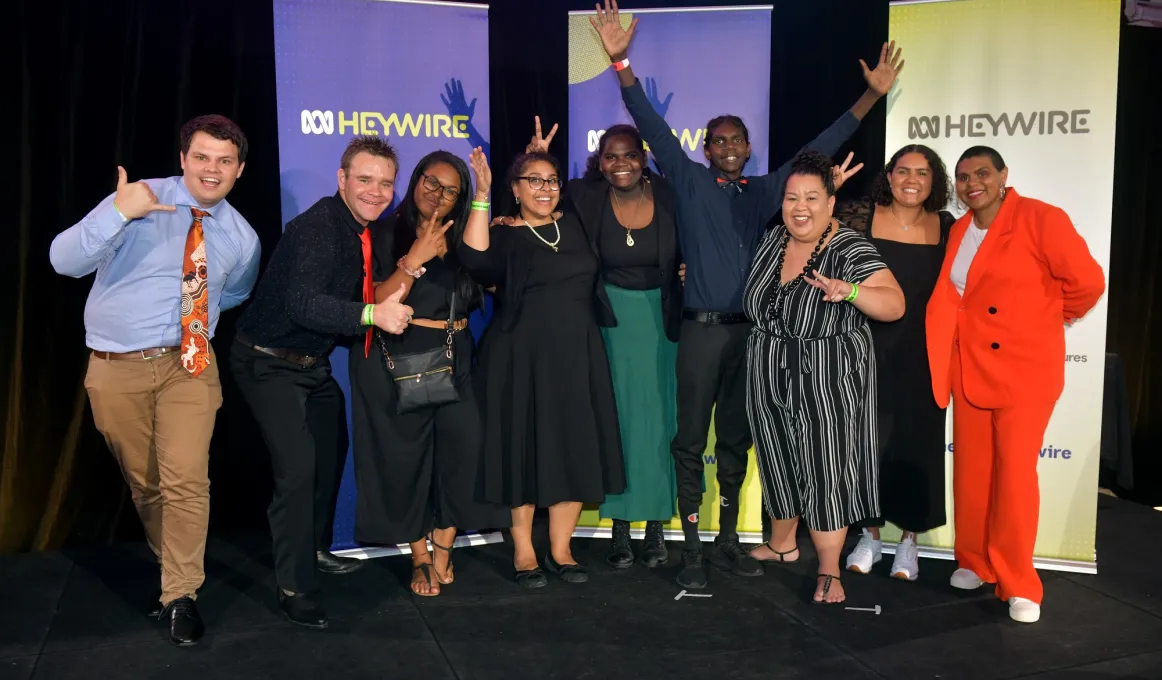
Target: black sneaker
x,y
728,555
655,553
620,554
693,574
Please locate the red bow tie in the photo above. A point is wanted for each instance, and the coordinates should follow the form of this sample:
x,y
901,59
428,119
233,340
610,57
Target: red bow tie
x,y
736,183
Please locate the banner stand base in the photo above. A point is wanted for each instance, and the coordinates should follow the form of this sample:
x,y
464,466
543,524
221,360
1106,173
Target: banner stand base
x,y
1043,563
404,549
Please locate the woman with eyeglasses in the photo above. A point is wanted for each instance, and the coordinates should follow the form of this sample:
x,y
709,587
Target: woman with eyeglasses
x,y
417,470
550,421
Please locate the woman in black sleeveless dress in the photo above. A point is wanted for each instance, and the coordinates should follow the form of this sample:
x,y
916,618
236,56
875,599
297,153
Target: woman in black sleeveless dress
x,y
905,219
550,420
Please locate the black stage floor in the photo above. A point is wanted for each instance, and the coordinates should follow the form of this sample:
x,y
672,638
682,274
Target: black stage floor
x,y
81,615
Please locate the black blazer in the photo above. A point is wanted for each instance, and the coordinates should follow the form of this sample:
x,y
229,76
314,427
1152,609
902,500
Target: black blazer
x,y
590,199
507,263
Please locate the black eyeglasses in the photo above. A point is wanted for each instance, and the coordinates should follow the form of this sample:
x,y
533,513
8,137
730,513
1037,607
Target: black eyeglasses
x,y
433,184
536,183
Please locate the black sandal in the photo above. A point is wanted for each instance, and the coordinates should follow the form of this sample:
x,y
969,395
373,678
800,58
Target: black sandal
x,y
427,569
826,588
450,572
531,578
781,557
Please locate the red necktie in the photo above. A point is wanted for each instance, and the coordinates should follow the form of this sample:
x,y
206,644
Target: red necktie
x,y
195,299
368,285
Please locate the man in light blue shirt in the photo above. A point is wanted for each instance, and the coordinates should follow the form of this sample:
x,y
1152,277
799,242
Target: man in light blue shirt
x,y
151,244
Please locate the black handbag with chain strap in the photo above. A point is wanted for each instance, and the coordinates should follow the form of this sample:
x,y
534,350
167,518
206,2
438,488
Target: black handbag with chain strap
x,y
424,379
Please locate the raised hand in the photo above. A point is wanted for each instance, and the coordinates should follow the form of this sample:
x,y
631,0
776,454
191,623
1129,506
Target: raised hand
x,y
430,242
651,88
136,199
391,315
834,290
455,101
840,173
482,172
881,78
614,38
539,144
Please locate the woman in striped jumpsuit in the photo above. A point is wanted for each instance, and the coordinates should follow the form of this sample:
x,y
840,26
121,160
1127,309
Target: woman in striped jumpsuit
x,y
811,371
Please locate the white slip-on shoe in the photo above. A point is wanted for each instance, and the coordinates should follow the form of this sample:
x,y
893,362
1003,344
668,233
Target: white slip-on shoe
x,y
906,565
1024,611
965,579
867,552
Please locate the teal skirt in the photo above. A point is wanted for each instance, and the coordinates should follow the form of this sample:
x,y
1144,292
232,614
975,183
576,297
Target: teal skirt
x,y
642,361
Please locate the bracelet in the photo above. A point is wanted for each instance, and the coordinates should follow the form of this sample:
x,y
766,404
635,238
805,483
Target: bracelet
x,y
369,315
852,295
414,274
120,214
480,205
621,65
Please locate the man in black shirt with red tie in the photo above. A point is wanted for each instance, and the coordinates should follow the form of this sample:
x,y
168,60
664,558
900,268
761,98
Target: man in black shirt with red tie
x,y
722,217
316,289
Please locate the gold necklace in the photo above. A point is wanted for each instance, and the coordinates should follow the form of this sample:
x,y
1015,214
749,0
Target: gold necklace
x,y
892,209
628,235
552,245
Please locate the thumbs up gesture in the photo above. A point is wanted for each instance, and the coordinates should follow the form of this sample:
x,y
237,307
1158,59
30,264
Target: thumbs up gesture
x,y
391,315
136,199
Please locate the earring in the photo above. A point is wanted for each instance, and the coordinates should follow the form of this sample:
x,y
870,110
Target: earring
x,y
1002,193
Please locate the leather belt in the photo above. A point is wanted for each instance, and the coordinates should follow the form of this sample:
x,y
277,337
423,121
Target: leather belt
x,y
278,352
703,316
141,354
460,324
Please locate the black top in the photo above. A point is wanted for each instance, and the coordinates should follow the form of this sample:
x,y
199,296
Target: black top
x,y
429,298
507,264
312,291
719,225
634,267
589,198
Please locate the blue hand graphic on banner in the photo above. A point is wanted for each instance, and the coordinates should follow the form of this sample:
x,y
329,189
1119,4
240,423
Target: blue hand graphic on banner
x,y
651,88
458,105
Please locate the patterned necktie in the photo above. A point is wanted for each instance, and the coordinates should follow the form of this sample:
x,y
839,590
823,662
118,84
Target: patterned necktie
x,y
368,286
195,299
738,184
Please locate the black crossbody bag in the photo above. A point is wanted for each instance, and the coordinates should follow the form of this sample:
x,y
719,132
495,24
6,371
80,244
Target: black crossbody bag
x,y
424,379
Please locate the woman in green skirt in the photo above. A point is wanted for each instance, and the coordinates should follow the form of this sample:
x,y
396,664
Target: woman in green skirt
x,y
629,214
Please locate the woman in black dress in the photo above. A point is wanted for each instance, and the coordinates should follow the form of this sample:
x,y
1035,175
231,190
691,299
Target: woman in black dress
x,y
905,219
551,429
417,472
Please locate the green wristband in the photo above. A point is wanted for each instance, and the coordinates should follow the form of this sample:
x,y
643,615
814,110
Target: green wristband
x,y
852,295
369,315
480,205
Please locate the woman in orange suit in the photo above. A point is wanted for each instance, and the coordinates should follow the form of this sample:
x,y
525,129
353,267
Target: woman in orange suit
x,y
1015,272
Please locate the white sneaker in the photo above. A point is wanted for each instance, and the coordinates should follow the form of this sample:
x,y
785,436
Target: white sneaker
x,y
965,579
867,552
906,565
1024,611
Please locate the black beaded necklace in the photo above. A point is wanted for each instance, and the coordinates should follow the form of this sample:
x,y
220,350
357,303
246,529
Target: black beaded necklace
x,y
782,291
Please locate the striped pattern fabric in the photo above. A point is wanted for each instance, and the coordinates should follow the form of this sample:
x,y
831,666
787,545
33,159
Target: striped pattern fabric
x,y
811,388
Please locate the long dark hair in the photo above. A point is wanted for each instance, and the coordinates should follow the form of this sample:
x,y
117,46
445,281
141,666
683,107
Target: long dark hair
x,y
407,219
593,164
937,200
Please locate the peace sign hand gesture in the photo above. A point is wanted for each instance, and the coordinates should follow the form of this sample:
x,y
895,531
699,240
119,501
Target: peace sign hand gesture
x,y
614,38
880,80
834,290
430,243
539,144
134,200
840,173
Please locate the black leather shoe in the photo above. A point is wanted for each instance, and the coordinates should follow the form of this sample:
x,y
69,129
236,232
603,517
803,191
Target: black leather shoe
x,y
693,574
655,553
728,555
620,554
302,609
185,625
569,573
329,563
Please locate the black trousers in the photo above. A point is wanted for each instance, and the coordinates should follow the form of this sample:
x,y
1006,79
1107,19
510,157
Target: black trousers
x,y
300,412
711,378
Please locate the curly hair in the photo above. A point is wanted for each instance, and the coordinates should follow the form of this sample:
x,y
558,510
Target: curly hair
x,y
593,164
522,162
814,164
937,200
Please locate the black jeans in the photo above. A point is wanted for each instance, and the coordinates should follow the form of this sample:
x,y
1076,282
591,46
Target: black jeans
x,y
711,377
301,414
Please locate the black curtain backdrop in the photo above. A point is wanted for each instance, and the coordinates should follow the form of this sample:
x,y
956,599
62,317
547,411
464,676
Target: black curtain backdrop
x,y
101,83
